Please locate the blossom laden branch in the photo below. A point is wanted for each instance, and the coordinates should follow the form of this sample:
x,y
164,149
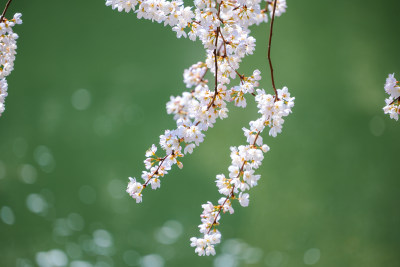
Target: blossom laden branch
x,y
8,46
223,28
220,25
245,159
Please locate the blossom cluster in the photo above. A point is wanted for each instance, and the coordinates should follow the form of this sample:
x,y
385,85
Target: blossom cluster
x,y
392,88
8,46
223,28
245,160
194,115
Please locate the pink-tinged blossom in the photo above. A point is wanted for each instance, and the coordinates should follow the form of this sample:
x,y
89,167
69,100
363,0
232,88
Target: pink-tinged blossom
x,y
392,88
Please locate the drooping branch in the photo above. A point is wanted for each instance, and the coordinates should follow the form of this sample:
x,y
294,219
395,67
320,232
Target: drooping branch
x,y
231,194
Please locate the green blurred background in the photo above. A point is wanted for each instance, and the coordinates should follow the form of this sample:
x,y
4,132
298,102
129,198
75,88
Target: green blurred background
x,y
87,98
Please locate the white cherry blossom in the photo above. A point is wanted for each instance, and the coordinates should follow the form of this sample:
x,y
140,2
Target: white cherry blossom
x,y
392,88
8,46
245,160
222,27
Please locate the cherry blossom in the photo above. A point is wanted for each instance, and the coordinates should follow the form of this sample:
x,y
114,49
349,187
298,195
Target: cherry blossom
x,y
8,46
222,26
392,88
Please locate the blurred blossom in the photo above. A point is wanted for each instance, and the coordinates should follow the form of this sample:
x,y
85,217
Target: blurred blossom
x,y
73,250
61,228
118,208
28,173
152,260
116,188
225,260
24,263
377,126
80,264
252,255
48,196
44,158
52,258
102,243
7,215
312,256
131,258
102,238
81,99
169,232
236,252
103,264
274,259
167,252
232,246
87,194
36,203
86,243
2,170
20,147
75,222
104,261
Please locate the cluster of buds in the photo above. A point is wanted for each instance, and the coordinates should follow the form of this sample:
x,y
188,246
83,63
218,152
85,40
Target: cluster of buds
x,y
222,26
245,160
8,46
392,88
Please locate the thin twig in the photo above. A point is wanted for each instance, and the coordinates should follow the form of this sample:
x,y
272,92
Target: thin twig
x,y
269,51
216,64
5,10
395,100
216,72
227,58
231,194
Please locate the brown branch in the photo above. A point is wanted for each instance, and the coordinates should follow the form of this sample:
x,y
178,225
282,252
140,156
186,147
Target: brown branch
x,y
224,44
202,76
269,51
394,100
5,10
226,56
231,194
216,72
219,8
220,208
156,171
216,64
